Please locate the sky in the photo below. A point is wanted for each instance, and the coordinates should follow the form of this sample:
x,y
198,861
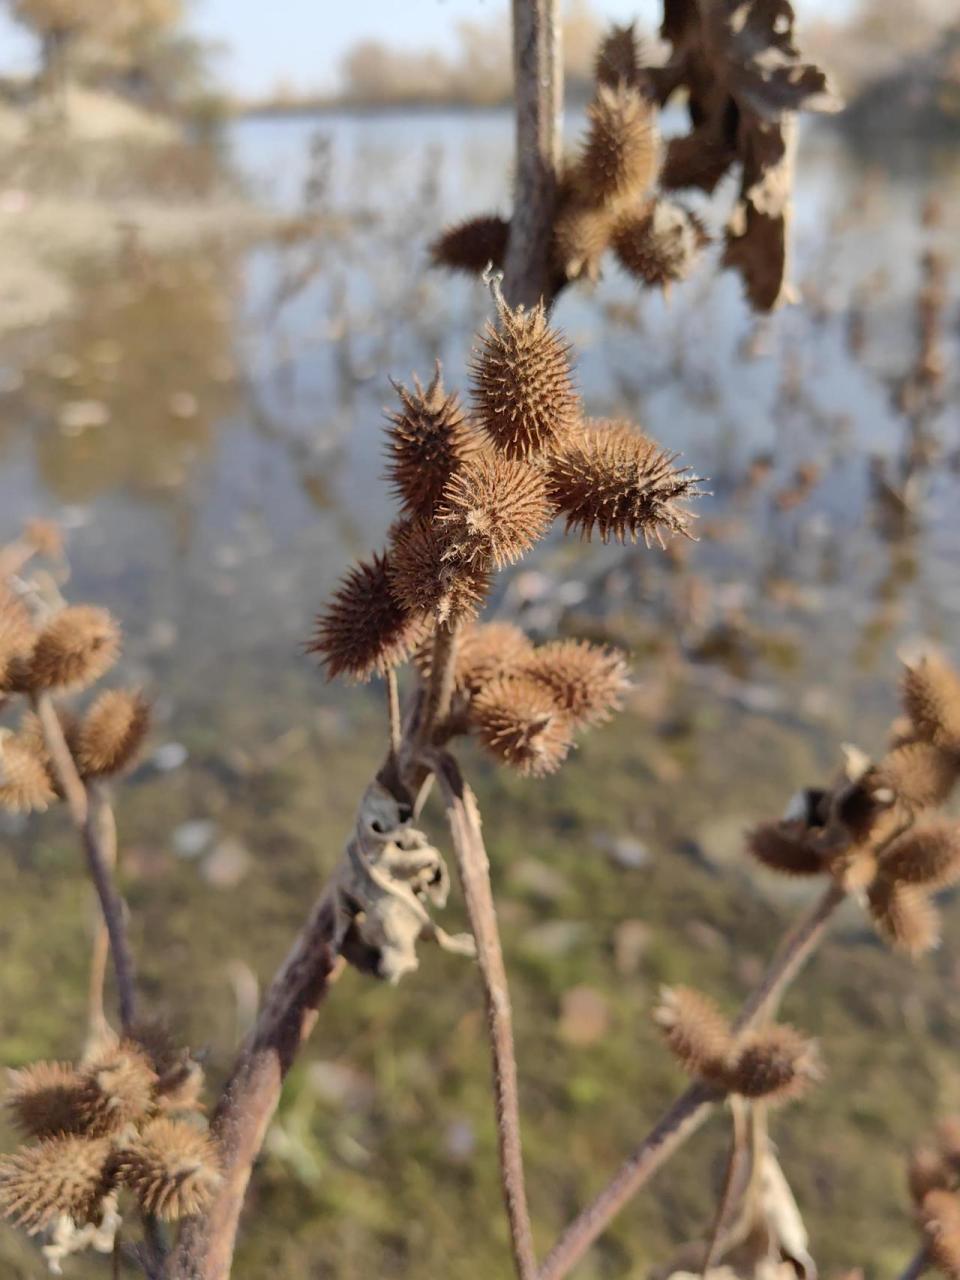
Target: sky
x,y
302,41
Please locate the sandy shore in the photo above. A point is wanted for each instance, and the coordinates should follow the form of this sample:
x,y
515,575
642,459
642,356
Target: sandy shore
x,y
53,221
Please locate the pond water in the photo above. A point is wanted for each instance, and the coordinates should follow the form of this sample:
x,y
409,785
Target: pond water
x,y
208,429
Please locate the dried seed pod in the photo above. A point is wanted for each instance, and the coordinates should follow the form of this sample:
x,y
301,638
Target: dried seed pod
x,y
63,1175
365,631
522,385
118,1089
927,1171
110,735
585,680
921,773
904,915
492,511
940,1220
25,784
776,1063
581,236
618,57
45,536
46,1098
696,159
425,582
854,867
948,1140
172,1169
471,246
697,1033
484,652
76,647
786,847
17,638
931,698
756,246
180,1087
517,721
179,1077
622,484
928,855
621,153
426,443
659,246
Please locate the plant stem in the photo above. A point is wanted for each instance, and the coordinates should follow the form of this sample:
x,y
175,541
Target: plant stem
x,y
538,94
440,688
393,707
249,1100
693,1106
918,1264
92,816
474,866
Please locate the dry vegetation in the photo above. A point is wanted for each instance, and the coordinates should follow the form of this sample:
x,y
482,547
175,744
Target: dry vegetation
x,y
120,1136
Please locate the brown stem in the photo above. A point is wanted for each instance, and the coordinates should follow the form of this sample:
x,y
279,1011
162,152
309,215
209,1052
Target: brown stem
x,y
464,819
691,1109
393,707
918,1264
92,816
205,1248
733,1183
793,953
538,92
440,688
97,1024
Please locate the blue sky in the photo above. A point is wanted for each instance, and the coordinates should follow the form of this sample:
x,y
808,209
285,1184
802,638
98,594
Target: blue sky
x,y
302,41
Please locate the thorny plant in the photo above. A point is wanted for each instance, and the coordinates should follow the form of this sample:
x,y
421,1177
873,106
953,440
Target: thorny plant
x,y
476,491
744,79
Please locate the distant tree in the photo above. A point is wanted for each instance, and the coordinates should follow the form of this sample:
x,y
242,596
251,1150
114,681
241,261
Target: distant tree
x,y
122,26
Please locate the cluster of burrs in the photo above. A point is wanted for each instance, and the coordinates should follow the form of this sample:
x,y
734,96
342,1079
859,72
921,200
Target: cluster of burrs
x,y
876,831
126,1120
476,492
50,649
743,79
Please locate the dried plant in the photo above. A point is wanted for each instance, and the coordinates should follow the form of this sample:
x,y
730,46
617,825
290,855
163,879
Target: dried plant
x,y
427,442
62,1176
171,1167
107,739
522,385
492,512
744,79
659,246
612,479
475,494
473,245
520,722
74,649
366,631
696,1032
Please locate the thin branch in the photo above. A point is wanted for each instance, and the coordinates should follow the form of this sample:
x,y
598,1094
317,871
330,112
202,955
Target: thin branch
x,y
731,1193
691,1109
247,1105
464,819
440,687
92,816
393,708
97,1024
918,1264
538,93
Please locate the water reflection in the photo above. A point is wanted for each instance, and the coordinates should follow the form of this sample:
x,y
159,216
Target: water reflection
x,y
126,395
228,385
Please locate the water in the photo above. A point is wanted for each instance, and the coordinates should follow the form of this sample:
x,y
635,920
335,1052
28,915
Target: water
x,y
239,470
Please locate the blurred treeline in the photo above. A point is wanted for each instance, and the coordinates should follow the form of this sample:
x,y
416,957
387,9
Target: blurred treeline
x,y
138,49
917,61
